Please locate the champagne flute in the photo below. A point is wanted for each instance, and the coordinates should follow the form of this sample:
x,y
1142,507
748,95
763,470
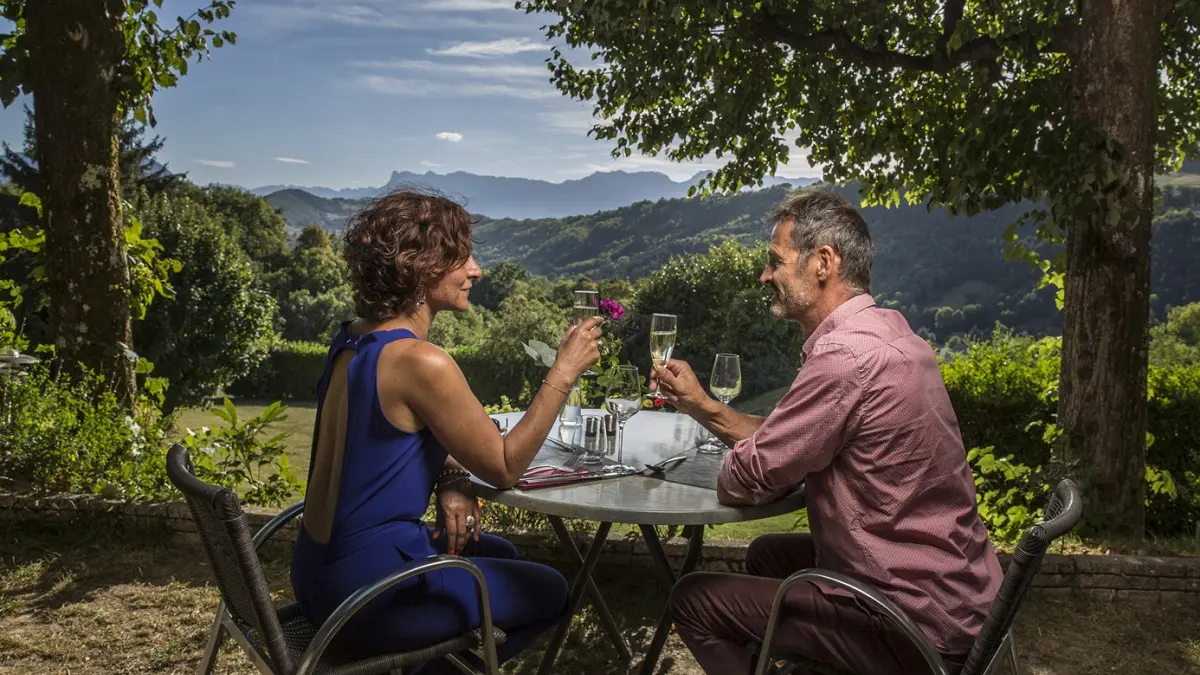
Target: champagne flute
x,y
662,343
623,400
585,306
725,384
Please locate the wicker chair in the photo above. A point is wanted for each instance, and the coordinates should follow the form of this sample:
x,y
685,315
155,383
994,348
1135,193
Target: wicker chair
x,y
279,640
995,642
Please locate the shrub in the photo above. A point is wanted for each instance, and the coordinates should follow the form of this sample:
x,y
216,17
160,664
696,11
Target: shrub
x,y
218,324
721,308
73,435
1005,395
236,457
290,372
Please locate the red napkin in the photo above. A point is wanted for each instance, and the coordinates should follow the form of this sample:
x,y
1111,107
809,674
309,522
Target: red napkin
x,y
549,476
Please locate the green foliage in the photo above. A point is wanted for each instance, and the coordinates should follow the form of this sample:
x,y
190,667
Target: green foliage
x,y
721,308
251,222
313,289
244,457
218,324
451,330
498,366
155,56
1005,395
1177,340
289,372
497,283
71,434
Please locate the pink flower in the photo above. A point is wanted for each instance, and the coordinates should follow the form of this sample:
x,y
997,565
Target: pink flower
x,y
612,309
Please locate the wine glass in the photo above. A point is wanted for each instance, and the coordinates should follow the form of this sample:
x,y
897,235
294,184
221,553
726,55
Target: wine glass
x,y
662,343
623,400
725,384
586,305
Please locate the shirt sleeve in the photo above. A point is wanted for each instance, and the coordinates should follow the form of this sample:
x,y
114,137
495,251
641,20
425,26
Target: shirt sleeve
x,y
802,435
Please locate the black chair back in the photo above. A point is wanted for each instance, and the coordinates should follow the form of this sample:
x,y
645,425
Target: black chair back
x,y
1061,515
229,545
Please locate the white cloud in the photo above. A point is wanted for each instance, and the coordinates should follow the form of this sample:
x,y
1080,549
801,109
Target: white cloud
x,y
291,160
217,163
451,136
467,5
440,89
430,15
502,47
504,71
428,164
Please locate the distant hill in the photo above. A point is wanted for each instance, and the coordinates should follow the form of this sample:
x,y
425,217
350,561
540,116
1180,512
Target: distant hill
x,y
301,209
948,274
506,197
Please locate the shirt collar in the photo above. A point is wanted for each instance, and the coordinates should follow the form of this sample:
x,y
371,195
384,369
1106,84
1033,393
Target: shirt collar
x,y
836,318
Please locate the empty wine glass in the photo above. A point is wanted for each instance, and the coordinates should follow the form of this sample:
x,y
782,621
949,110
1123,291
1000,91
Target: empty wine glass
x,y
725,384
623,400
585,306
663,328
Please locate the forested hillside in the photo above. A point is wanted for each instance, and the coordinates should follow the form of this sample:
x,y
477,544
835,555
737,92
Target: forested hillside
x,y
948,274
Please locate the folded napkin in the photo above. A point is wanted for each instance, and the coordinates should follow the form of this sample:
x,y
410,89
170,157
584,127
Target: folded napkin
x,y
550,476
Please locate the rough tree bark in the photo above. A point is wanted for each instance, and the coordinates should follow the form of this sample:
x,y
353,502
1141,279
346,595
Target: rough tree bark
x,y
1102,386
75,47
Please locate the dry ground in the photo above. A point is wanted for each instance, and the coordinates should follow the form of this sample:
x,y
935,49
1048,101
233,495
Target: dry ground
x,y
95,599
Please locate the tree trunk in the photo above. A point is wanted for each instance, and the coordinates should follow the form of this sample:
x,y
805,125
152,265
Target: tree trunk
x,y
1102,387
75,47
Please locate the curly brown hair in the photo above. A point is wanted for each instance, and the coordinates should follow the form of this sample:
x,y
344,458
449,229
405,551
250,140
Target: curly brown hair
x,y
399,244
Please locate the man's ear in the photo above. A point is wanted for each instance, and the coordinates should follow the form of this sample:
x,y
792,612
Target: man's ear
x,y
827,263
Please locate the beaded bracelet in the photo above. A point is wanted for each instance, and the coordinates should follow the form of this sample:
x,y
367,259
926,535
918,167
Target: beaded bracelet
x,y
457,475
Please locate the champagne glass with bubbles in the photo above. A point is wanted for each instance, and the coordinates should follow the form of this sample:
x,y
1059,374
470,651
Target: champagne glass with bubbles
x,y
623,400
663,328
586,305
725,384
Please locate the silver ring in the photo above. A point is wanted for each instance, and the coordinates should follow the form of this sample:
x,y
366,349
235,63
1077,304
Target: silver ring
x,y
470,522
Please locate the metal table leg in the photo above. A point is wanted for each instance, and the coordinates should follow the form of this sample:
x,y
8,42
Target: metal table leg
x,y
577,588
597,600
695,535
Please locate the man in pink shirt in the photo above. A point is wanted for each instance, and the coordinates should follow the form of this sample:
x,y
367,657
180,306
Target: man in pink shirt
x,y
869,431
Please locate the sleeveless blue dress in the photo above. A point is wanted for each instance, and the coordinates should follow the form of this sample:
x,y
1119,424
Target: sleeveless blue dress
x,y
387,478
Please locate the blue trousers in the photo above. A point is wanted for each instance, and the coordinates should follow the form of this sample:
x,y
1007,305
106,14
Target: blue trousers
x,y
526,599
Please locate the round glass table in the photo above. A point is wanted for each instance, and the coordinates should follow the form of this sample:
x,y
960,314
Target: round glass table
x,y
643,500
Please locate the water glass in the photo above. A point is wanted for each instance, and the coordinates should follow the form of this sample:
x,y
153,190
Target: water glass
x,y
571,416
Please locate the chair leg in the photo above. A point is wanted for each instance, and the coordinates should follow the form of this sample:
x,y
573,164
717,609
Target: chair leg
x,y
1013,663
213,646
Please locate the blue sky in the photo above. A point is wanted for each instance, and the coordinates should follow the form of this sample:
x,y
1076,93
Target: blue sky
x,y
339,93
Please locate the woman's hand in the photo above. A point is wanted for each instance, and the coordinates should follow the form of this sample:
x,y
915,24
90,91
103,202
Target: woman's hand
x,y
579,348
455,503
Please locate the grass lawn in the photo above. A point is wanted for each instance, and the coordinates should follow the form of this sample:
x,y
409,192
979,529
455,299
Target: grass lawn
x,y
301,415
93,599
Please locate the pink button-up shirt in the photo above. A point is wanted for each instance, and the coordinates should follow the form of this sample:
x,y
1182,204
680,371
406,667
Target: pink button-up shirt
x,y
868,428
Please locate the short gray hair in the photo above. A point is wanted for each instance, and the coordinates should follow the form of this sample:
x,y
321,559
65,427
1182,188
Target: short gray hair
x,y
823,217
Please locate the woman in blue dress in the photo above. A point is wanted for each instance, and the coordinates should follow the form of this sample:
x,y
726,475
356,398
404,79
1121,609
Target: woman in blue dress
x,y
397,422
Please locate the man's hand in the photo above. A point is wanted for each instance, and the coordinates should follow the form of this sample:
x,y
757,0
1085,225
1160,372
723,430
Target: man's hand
x,y
455,502
680,387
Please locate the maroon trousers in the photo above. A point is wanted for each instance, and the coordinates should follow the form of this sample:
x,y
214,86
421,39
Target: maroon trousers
x,y
718,614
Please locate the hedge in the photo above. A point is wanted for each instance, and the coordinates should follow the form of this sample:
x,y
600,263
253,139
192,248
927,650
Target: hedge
x,y
290,372
1005,395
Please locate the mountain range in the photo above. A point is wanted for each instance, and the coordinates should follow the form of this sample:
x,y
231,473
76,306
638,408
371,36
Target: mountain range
x,y
500,196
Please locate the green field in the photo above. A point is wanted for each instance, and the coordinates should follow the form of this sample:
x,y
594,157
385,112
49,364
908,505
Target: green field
x,y
299,425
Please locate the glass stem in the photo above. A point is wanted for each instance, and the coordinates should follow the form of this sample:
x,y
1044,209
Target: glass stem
x,y
620,441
